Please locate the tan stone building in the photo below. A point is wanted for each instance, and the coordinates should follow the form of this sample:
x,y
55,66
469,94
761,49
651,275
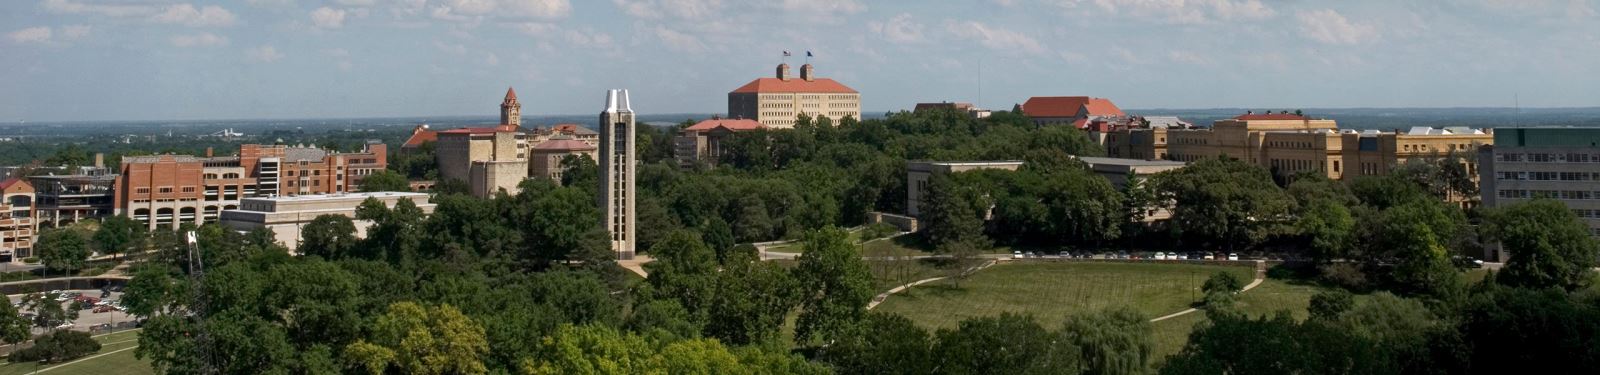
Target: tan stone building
x,y
1289,144
486,159
286,216
18,230
702,142
545,159
777,101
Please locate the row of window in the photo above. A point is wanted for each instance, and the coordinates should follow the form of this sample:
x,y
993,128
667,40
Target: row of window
x,y
1547,176
1554,194
1547,158
1425,147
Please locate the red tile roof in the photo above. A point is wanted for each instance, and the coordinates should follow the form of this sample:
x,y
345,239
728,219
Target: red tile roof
x,y
473,130
730,124
9,182
566,144
823,85
1069,106
511,94
1270,116
419,136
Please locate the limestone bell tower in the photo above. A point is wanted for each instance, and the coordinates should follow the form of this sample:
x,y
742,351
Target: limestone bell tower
x,y
617,160
510,109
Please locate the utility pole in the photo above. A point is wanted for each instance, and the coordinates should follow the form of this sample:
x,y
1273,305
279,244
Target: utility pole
x,y
197,307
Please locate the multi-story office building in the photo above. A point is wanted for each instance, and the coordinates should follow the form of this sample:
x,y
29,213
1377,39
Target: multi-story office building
x,y
17,227
62,200
702,142
487,159
617,162
286,215
170,190
1076,111
776,102
919,172
545,159
1556,163
1291,143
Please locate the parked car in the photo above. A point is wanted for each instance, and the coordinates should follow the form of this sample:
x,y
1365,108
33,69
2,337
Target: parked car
x,y
86,299
1161,255
1016,255
64,325
1208,256
103,309
1233,256
101,327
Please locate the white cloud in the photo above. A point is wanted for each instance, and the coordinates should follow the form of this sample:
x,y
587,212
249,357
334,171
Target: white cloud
x,y
899,29
455,49
189,15
337,52
199,40
263,54
473,10
39,34
1179,11
109,10
823,6
73,32
492,60
1187,57
327,18
685,9
678,40
356,3
994,37
1328,26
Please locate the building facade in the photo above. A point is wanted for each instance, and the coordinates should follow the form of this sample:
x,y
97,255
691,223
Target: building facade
x,y
545,159
702,142
777,101
1555,163
1289,144
18,230
62,200
958,107
617,163
511,109
171,190
488,160
287,215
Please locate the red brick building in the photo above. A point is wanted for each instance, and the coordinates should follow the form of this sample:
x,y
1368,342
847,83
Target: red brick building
x,y
169,190
1076,111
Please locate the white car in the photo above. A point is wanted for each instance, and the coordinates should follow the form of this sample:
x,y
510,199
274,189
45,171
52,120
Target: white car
x,y
1233,256
1016,255
1160,256
64,325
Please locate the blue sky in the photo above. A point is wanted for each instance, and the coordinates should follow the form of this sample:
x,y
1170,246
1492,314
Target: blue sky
x,y
160,59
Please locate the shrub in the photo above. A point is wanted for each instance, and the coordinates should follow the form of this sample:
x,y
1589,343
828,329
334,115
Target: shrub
x,y
1345,275
1222,282
57,346
31,260
878,230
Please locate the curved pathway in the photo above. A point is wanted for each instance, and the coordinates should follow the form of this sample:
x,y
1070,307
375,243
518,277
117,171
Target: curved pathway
x,y
1261,275
885,295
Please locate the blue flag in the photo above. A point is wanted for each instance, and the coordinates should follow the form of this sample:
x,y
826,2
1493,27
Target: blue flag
x,y
785,53
808,53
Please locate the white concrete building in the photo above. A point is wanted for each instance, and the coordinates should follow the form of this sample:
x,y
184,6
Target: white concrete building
x,y
286,216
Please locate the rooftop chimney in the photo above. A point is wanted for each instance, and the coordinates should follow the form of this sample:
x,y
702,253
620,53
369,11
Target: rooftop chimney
x,y
806,74
99,160
783,71
208,152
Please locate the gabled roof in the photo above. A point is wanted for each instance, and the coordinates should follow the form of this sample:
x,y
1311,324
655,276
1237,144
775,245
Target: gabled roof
x,y
823,85
8,183
1069,106
511,94
730,124
419,136
573,129
562,143
1270,116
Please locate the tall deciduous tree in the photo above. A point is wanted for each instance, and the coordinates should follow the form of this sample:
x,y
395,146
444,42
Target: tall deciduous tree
x,y
1112,341
1549,245
119,234
384,180
836,284
62,249
331,237
1224,202
416,339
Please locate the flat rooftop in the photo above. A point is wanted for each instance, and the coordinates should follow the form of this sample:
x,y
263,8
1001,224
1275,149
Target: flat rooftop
x,y
1093,160
968,163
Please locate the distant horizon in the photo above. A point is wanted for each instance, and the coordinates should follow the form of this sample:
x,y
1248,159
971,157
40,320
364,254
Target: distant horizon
x,y
865,114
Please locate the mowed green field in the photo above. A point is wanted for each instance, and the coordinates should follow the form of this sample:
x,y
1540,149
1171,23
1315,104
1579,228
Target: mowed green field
x,y
1051,291
120,359
1266,299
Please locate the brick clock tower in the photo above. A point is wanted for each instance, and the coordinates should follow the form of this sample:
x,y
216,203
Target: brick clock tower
x,y
510,109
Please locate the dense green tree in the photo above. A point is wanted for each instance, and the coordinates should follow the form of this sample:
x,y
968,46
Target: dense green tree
x,y
1222,282
1224,202
119,234
329,236
155,288
663,318
1510,328
1236,344
750,301
1005,344
835,283
384,180
14,328
62,249
580,171
883,344
418,163
1416,237
1328,227
952,213
685,271
719,236
1549,245
1328,305
1112,341
57,346
416,339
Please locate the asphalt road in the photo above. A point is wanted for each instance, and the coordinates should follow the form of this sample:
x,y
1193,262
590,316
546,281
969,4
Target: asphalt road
x,y
87,317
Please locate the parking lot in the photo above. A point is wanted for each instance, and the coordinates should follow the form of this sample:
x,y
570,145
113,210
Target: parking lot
x,y
88,319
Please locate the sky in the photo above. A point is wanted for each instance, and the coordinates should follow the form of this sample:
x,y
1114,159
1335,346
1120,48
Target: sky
x,y
96,60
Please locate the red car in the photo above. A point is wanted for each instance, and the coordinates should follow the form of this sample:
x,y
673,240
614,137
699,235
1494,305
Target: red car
x,y
102,309
87,299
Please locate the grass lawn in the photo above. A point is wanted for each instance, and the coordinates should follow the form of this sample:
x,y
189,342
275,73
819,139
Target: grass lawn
x,y
1268,298
119,362
1050,291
